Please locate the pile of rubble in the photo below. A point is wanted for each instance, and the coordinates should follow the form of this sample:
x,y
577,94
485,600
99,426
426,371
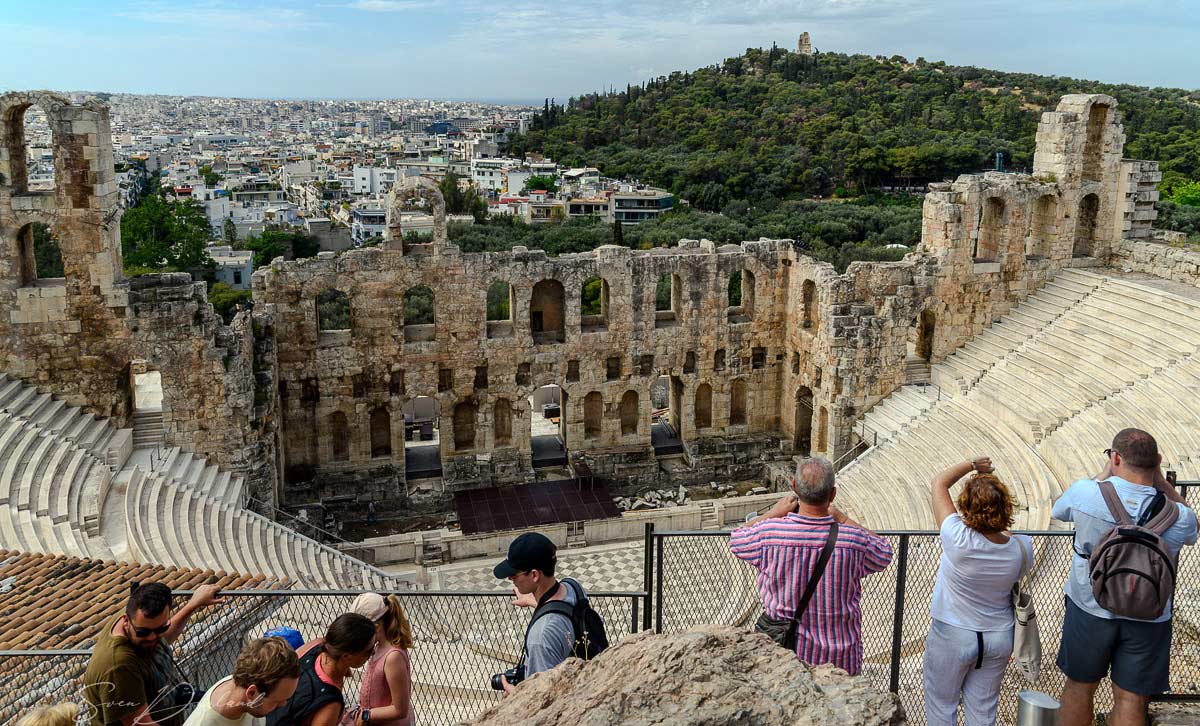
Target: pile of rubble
x,y
664,498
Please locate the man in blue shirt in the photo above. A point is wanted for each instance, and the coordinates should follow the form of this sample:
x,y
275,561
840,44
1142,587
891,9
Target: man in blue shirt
x,y
1093,639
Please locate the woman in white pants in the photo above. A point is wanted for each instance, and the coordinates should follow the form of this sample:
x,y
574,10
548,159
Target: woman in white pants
x,y
971,638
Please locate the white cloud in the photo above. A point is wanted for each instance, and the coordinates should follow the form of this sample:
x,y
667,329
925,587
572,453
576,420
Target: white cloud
x,y
225,16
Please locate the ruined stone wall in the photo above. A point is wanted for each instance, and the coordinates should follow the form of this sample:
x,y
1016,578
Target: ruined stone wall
x,y
1159,258
615,360
78,335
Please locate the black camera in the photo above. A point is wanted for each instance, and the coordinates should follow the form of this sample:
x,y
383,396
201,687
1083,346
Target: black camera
x,y
513,675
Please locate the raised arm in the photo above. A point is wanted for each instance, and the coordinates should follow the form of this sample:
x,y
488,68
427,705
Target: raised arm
x,y
943,504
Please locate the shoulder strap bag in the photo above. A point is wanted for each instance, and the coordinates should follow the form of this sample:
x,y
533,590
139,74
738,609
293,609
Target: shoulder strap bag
x,y
1027,641
782,631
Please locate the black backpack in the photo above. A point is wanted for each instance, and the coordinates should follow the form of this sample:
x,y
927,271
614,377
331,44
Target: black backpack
x,y
590,638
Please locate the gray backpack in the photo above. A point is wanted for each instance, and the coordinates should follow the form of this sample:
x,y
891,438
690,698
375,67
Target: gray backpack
x,y
1132,569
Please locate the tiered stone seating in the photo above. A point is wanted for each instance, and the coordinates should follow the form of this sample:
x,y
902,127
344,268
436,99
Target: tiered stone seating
x,y
50,492
175,525
1043,392
896,412
194,472
962,370
23,401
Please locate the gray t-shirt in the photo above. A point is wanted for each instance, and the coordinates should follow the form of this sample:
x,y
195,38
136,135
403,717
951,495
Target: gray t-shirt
x,y
550,639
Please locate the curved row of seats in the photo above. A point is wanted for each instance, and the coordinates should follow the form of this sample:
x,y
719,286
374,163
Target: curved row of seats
x,y
50,489
22,401
174,525
1042,392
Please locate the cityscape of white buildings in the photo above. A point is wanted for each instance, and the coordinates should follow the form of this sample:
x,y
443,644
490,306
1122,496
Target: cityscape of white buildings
x,y
325,167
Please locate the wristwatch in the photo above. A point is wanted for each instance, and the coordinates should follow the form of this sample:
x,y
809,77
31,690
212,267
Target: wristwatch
x,y
366,715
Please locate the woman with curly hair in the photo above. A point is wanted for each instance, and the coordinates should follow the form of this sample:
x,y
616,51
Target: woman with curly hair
x,y
971,637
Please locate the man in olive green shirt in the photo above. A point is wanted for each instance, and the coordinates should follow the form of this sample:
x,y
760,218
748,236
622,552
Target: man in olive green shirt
x,y
123,685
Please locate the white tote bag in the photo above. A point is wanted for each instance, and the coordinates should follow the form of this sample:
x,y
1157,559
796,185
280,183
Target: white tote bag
x,y
1027,642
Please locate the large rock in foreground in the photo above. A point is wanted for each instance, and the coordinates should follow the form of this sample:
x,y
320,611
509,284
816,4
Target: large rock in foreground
x,y
709,676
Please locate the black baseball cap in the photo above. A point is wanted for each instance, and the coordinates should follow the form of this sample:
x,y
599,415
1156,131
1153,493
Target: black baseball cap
x,y
530,551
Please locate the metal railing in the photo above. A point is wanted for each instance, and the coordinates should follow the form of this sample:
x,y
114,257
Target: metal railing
x,y
462,638
697,581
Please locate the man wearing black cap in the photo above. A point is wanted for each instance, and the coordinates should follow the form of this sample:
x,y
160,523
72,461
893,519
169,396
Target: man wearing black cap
x,y
530,568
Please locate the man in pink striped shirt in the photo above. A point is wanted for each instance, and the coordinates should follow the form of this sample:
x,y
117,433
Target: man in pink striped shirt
x,y
784,545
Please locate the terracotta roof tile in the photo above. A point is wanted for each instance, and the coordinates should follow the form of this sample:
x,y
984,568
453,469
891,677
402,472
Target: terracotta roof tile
x,y
55,602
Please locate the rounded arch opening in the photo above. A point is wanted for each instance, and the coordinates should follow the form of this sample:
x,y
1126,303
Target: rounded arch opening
x,y
737,403
629,413
1085,227
593,415
802,431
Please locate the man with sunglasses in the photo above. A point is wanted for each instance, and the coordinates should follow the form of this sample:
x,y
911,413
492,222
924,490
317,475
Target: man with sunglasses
x,y
122,681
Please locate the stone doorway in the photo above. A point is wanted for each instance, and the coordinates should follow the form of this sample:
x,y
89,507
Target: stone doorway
x,y
666,423
548,426
802,436
422,438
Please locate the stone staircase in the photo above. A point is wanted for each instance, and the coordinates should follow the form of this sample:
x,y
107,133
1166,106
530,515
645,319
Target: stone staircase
x,y
147,429
916,370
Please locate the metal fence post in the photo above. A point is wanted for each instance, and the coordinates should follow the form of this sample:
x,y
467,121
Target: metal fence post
x,y
898,615
658,595
648,577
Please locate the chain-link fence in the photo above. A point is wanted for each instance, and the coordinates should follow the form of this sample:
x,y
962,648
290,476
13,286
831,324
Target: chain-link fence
x,y
461,640
698,581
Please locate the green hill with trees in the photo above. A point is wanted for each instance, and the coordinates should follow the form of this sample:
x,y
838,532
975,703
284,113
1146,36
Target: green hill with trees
x,y
776,125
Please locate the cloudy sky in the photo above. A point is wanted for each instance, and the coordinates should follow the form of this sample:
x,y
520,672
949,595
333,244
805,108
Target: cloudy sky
x,y
524,51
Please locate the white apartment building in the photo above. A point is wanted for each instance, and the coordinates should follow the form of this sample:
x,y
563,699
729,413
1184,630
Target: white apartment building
x,y
234,267
373,180
489,174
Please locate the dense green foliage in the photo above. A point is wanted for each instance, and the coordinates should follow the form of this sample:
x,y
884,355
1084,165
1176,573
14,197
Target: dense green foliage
x,y
540,183
835,232
418,306
225,299
460,201
47,256
165,235
497,301
590,299
275,242
1181,218
771,124
211,178
1188,194
333,310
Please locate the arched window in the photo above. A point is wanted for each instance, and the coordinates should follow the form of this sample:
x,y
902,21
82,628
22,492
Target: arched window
x,y
30,143
419,315
629,413
546,312
737,403
464,426
339,431
593,415
703,406
333,311
381,432
1043,231
991,231
502,422
1085,227
593,305
809,295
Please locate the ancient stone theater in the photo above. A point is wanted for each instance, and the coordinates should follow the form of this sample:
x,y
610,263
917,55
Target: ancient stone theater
x,y
1039,313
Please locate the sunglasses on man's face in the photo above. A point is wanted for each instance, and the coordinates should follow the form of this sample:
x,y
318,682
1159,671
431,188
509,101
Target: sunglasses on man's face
x,y
147,632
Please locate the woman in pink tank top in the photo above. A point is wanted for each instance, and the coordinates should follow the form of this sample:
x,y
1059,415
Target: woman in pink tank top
x,y
385,697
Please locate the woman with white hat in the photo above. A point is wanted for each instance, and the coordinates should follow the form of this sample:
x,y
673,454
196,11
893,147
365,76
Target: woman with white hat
x,y
385,697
